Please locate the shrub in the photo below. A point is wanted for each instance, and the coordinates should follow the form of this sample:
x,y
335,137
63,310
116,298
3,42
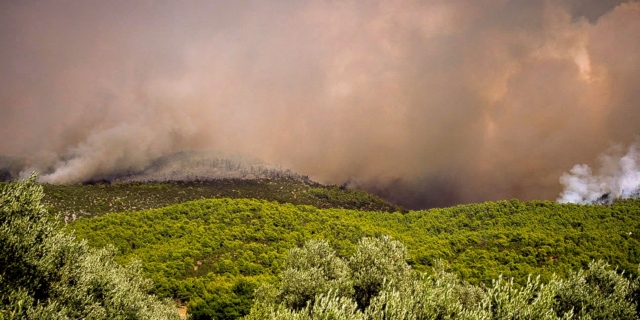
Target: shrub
x,y
311,271
46,274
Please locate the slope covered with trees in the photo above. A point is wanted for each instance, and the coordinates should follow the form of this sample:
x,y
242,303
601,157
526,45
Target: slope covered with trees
x,y
213,253
100,197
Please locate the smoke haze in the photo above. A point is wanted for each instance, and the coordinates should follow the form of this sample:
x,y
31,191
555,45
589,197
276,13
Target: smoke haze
x,y
428,103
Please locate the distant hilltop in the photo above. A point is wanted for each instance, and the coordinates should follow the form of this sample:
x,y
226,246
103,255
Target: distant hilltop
x,y
180,166
207,165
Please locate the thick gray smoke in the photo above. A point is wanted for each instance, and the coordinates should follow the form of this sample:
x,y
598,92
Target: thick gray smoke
x,y
427,102
617,178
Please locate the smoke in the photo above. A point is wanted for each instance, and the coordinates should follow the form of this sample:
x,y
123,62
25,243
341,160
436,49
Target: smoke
x,y
426,102
617,178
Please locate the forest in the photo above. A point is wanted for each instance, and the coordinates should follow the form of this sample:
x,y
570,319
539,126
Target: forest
x,y
212,253
226,257
100,197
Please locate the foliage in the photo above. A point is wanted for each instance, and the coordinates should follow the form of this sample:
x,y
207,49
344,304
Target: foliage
x,y
75,201
599,293
200,251
227,302
46,274
311,271
374,262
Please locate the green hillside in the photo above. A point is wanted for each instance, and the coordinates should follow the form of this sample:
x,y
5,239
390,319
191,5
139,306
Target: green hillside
x,y
212,253
100,198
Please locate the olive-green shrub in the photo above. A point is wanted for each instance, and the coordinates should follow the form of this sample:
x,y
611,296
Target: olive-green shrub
x,y
45,273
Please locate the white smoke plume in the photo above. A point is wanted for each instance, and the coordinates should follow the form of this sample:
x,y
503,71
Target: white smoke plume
x,y
617,178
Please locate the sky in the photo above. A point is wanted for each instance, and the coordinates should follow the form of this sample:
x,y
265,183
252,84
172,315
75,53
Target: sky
x,y
427,103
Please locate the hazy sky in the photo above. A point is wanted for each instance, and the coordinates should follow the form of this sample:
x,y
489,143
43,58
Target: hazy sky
x,y
430,103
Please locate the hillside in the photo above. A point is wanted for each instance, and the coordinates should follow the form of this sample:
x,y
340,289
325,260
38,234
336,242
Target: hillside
x,y
212,253
101,197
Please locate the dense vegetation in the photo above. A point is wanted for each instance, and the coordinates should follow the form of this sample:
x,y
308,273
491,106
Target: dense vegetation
x,y
101,197
377,283
46,274
214,253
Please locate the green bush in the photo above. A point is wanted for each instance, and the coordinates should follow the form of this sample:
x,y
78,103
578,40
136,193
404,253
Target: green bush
x,y
46,274
312,271
377,261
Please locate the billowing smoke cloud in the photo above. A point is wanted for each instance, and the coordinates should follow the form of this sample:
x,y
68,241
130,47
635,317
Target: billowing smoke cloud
x,y
617,178
427,102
